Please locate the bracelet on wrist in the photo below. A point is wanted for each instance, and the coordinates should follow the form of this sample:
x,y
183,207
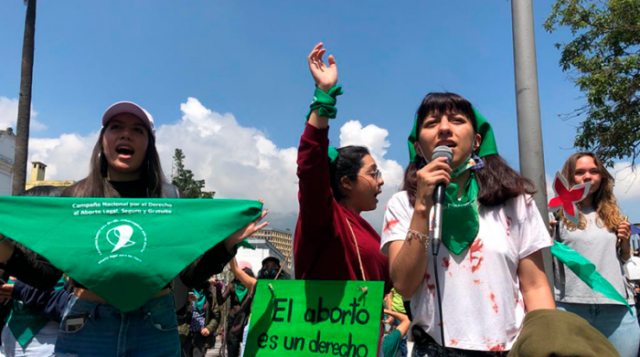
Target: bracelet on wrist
x,y
422,237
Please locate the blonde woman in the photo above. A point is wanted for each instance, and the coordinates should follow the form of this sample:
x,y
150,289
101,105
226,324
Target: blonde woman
x,y
602,236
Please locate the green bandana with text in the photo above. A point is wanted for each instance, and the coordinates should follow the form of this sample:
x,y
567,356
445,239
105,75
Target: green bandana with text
x,y
123,250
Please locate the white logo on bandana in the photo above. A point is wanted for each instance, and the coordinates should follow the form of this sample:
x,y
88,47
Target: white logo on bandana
x,y
123,235
116,238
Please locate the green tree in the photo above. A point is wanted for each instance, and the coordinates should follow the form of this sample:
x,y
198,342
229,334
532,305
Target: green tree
x,y
183,179
24,102
604,62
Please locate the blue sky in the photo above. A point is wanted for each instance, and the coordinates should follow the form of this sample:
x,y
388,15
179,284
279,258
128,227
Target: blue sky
x,y
248,59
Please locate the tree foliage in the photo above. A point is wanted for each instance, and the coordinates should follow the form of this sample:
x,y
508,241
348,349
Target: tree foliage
x,y
604,60
183,179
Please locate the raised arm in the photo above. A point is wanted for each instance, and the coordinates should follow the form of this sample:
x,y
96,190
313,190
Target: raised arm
x,y
315,195
403,327
325,78
215,259
245,279
28,266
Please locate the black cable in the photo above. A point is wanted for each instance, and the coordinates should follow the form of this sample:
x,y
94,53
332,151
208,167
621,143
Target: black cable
x,y
435,272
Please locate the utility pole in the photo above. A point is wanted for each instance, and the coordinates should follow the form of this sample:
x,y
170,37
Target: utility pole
x,y
528,104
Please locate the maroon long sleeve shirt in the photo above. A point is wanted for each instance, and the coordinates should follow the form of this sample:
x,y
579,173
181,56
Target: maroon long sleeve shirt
x,y
324,247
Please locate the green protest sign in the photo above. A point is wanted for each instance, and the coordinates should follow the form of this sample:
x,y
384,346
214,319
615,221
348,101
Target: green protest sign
x,y
306,318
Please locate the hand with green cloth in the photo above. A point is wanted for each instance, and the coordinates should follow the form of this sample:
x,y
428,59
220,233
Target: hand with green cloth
x,y
325,76
324,100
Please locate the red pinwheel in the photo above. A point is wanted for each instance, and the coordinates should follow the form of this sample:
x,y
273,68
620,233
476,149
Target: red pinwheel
x,y
566,198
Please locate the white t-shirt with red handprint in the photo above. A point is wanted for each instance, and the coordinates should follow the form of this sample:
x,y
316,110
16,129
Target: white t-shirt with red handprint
x,y
482,304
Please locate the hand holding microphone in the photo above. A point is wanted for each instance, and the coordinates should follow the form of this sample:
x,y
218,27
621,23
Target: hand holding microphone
x,y
436,172
432,182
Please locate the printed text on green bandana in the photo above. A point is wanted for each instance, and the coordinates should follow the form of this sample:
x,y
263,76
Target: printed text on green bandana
x,y
124,250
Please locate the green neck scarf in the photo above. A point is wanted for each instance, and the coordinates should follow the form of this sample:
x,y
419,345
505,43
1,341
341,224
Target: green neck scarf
x,y
460,219
123,250
241,291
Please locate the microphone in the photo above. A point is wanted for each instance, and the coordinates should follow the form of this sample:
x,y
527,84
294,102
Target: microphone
x,y
438,200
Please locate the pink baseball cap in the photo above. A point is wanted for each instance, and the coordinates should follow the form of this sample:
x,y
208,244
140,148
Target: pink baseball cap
x,y
244,264
131,108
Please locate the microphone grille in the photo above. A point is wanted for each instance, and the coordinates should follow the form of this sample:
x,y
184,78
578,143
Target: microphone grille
x,y
443,151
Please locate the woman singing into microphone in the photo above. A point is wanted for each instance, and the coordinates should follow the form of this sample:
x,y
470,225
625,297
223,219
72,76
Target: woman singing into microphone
x,y
490,267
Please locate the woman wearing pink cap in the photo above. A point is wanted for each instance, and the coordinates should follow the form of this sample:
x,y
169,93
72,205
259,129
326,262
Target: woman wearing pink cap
x,y
125,164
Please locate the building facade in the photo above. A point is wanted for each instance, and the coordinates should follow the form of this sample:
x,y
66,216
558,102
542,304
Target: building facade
x,y
7,153
37,178
282,240
263,249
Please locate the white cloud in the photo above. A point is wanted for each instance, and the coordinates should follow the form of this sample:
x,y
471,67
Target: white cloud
x,y
627,186
234,160
9,115
66,157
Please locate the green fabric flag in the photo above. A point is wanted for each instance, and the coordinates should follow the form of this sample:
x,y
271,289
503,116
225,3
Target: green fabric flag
x,y
586,271
488,146
24,323
123,250
460,219
200,299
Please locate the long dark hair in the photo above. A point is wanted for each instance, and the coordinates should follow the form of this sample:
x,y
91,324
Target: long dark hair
x,y
43,191
497,181
97,185
347,164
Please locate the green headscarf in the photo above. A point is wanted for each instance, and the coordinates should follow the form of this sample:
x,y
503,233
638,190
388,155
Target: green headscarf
x,y
460,219
333,153
488,145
